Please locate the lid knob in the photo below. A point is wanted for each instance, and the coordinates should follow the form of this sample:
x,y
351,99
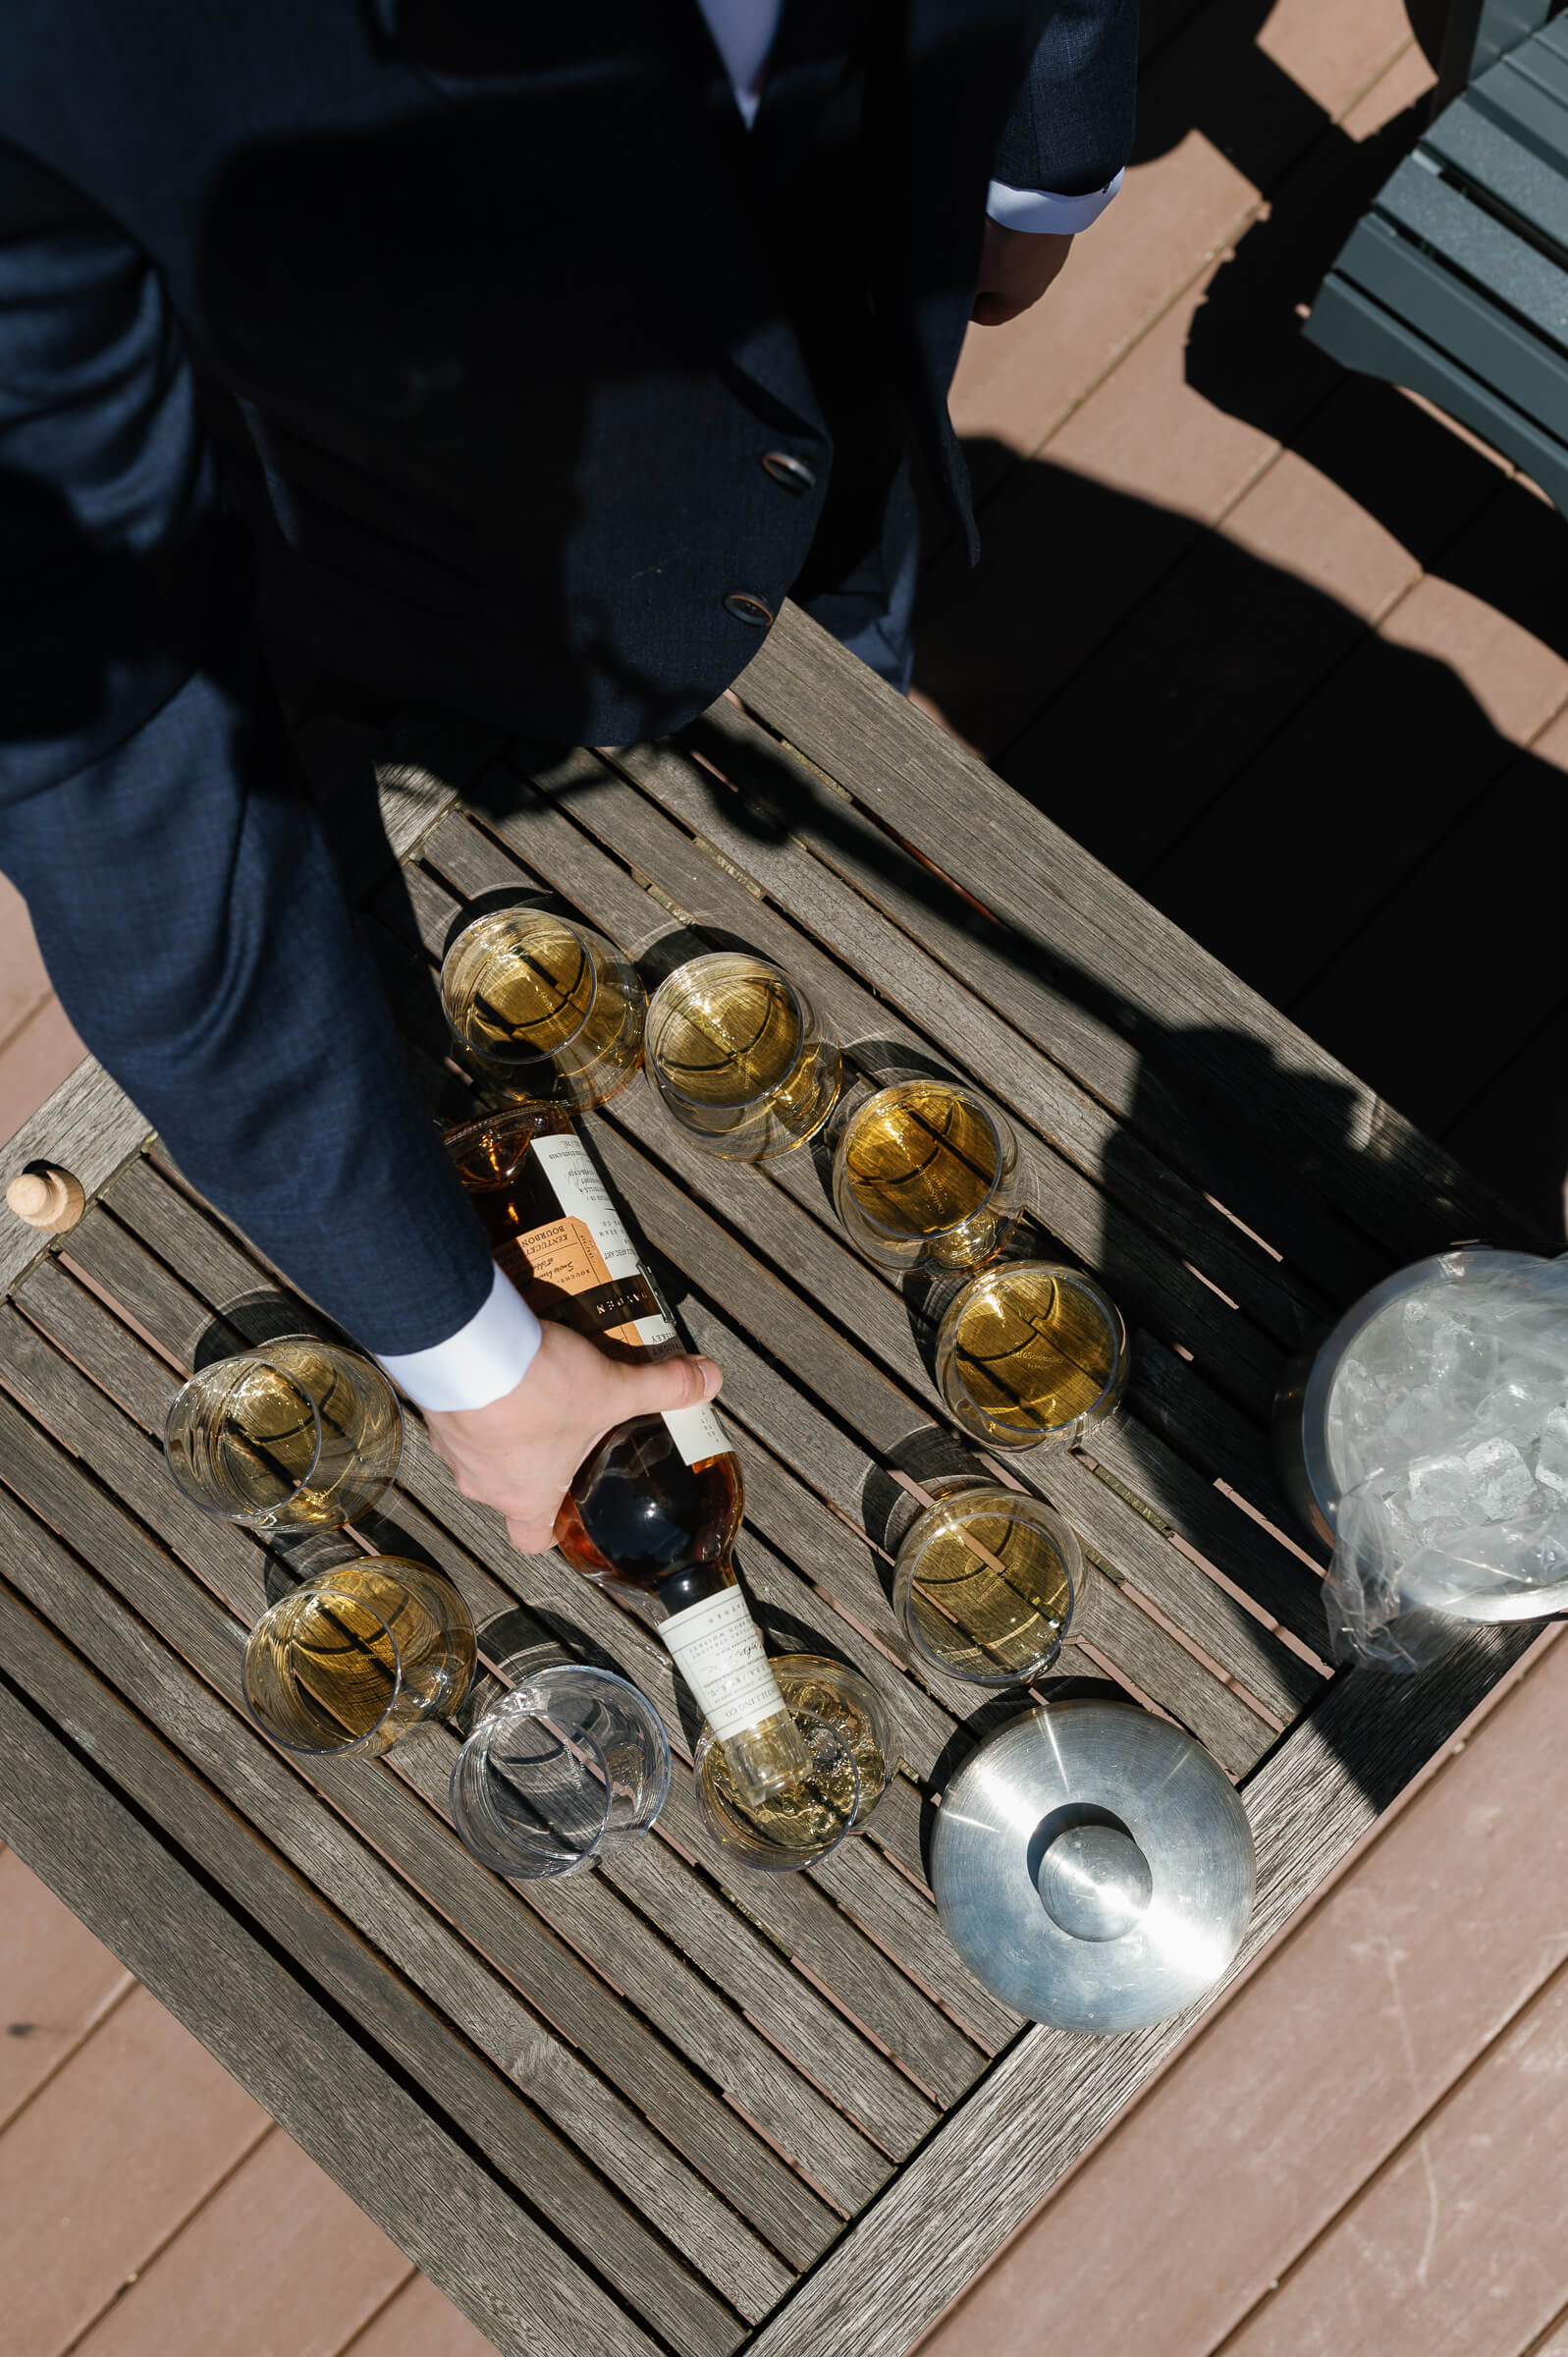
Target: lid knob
x,y
46,1198
1095,1881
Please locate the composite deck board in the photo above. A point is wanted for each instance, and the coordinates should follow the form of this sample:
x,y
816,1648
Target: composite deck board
x,y
59,1985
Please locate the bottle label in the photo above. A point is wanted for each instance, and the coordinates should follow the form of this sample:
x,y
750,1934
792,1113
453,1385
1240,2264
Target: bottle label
x,y
718,1654
583,1270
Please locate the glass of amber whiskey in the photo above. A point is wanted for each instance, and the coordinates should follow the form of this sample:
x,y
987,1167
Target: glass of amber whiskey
x,y
304,1433
543,1006
926,1177
357,1657
985,1583
739,1057
852,1759
1032,1354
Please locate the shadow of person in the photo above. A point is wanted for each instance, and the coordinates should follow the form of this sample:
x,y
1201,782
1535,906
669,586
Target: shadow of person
x,y
1270,772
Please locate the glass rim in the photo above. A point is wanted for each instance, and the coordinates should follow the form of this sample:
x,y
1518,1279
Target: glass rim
x,y
506,1116
995,1278
712,1813
688,968
252,1362
924,1531
585,938
473,1754
314,1586
896,1088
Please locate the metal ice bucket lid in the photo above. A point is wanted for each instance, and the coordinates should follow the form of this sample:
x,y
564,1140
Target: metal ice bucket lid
x,y
1092,1866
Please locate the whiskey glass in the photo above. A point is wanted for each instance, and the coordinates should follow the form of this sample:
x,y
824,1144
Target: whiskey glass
x,y
793,1829
926,1177
1032,1354
985,1583
355,1658
566,1769
301,1435
849,1703
544,1007
739,1057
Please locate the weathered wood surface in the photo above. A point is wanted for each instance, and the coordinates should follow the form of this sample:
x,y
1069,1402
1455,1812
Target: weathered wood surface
x,y
690,2087
332,2093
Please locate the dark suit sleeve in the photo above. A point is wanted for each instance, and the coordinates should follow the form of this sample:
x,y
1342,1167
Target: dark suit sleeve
x,y
1070,129
155,818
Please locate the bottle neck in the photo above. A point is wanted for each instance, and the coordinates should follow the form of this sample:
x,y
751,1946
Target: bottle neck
x,y
694,1582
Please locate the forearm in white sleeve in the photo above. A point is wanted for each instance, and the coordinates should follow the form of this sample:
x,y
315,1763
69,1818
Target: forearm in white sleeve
x,y
1042,214
483,1360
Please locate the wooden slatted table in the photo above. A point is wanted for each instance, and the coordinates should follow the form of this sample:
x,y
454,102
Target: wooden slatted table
x,y
669,2105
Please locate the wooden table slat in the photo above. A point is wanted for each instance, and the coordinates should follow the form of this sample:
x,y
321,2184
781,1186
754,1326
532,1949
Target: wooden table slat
x,y
706,2131
564,1601
1189,1014
1076,1126
1245,1555
324,1859
469,2234
933,2057
1261,1189
1151,1280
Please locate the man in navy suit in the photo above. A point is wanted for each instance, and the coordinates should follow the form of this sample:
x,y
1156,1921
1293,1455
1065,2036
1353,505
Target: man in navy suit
x,y
514,358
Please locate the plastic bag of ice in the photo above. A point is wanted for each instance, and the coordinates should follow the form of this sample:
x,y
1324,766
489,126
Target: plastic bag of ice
x,y
1446,1431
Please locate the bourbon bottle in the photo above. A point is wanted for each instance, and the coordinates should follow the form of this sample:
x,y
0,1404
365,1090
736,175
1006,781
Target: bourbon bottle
x,y
656,1504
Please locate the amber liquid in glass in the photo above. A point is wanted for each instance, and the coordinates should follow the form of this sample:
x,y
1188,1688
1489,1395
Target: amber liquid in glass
x,y
921,1161
1042,1361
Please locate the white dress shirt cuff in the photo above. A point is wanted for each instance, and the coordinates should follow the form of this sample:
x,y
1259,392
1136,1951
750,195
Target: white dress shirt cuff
x,y
1043,214
482,1361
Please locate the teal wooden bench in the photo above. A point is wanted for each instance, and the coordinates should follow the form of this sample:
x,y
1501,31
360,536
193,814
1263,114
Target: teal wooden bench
x,y
1455,282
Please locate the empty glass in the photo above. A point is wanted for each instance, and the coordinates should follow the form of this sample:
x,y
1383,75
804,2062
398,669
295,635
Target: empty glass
x,y
355,1658
544,1007
1032,1354
565,1768
925,1176
303,1434
985,1583
741,1058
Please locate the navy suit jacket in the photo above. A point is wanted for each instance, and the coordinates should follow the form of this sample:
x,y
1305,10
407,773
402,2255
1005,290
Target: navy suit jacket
x,y
480,314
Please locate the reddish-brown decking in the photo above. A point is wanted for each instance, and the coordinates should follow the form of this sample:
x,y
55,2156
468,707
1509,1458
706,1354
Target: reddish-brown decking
x,y
1289,652
148,2207
1363,2153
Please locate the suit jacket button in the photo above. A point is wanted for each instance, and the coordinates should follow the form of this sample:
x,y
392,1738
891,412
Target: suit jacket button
x,y
794,474
747,608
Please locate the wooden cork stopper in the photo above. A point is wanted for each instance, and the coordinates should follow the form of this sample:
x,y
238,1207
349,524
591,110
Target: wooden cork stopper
x,y
46,1198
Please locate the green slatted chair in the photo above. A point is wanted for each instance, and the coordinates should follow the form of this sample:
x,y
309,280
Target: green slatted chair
x,y
1455,282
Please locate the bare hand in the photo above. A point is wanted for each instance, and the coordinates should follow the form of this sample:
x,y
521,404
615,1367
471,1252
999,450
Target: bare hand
x,y
520,1453
1016,266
